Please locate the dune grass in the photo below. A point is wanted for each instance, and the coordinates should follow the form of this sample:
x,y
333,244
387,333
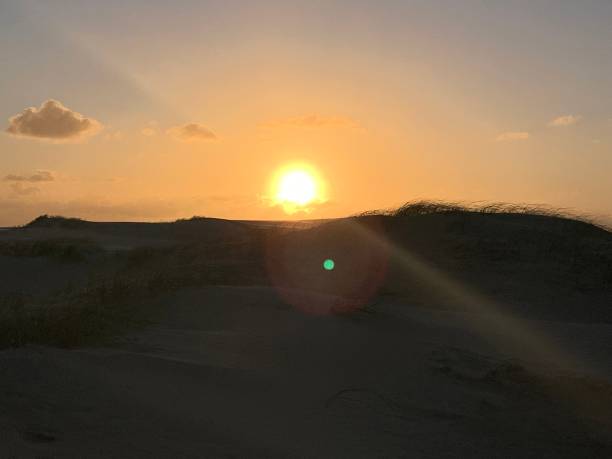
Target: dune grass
x,y
67,250
70,318
45,221
118,298
550,252
431,207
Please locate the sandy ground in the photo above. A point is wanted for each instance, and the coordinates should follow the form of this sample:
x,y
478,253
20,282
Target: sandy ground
x,y
236,372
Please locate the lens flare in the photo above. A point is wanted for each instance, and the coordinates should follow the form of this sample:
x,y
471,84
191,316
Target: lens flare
x,y
329,264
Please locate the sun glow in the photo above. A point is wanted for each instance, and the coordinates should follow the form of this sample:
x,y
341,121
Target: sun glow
x,y
297,188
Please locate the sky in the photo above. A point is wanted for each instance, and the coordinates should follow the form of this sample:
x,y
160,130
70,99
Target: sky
x,y
150,110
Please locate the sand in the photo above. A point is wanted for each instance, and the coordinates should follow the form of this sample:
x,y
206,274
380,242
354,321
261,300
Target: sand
x,y
235,372
239,371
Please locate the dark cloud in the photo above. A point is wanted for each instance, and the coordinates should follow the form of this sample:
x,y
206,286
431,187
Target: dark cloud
x,y
52,121
192,131
39,176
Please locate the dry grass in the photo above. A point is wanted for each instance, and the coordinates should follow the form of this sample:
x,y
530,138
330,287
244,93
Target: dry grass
x,y
548,251
66,321
68,250
427,207
120,294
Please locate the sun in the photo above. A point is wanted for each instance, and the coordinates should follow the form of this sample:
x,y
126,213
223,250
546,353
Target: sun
x,y
296,188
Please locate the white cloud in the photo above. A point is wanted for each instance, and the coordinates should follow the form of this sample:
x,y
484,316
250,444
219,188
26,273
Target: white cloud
x,y
511,136
565,120
52,121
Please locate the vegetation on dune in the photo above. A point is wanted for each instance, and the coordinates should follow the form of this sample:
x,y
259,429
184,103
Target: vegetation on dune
x,y
535,261
523,255
118,298
426,207
67,250
69,319
47,221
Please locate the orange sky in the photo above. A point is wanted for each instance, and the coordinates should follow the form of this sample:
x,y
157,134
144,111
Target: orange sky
x,y
170,111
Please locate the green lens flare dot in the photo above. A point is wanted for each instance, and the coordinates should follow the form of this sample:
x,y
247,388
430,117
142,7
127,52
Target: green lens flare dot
x,y
328,264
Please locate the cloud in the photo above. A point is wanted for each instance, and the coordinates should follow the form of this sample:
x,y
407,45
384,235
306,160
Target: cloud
x,y
191,131
20,189
313,121
288,208
52,121
114,135
150,129
565,120
148,132
39,176
511,136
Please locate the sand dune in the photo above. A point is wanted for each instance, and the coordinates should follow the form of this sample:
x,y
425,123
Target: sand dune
x,y
243,370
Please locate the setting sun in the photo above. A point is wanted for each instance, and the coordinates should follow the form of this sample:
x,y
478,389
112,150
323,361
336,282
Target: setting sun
x,y
297,188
